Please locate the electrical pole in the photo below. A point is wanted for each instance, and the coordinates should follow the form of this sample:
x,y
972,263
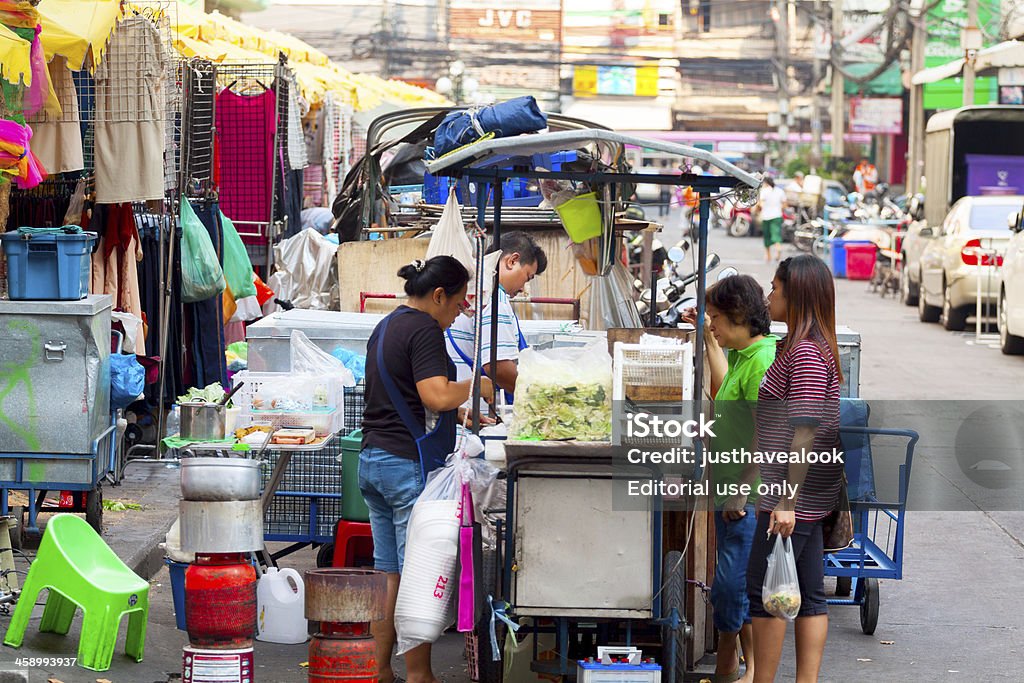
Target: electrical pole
x,y
815,101
838,100
915,151
780,13
970,42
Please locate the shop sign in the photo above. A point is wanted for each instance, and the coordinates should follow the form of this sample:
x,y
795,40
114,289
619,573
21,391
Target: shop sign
x,y
878,115
529,21
629,81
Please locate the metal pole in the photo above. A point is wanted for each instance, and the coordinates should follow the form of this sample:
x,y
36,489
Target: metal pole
x,y
838,101
702,260
498,191
969,51
915,165
815,101
481,220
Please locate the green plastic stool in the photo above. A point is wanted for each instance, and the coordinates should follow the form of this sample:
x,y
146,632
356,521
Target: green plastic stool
x,y
80,570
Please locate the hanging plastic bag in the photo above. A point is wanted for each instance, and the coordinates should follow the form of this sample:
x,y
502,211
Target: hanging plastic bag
x,y
237,266
780,593
564,394
127,380
201,274
310,359
450,238
424,608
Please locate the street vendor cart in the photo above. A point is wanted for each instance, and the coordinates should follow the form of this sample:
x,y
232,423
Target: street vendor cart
x,y
56,430
584,569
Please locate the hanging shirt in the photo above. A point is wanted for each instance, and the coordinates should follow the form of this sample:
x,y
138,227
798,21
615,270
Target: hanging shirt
x,y
131,111
57,140
245,137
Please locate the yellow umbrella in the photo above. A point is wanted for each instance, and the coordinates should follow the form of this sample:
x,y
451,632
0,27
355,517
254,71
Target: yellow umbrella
x,y
77,29
15,64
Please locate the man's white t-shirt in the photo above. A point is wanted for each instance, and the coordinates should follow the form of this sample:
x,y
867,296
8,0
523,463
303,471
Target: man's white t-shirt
x,y
772,199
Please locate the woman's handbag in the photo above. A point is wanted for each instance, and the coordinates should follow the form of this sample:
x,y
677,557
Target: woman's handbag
x,y
470,565
837,528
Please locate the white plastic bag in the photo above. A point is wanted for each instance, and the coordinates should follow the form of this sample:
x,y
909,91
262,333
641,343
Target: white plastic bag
x,y
424,608
309,359
564,394
780,593
450,238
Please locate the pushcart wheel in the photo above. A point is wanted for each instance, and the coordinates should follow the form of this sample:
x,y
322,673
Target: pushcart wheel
x,y
94,509
844,584
673,595
325,555
18,530
869,607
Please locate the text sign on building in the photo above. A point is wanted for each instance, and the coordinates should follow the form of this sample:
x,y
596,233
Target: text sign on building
x,y
878,115
591,81
528,21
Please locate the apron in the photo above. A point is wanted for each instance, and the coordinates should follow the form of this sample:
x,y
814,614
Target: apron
x,y
435,446
469,361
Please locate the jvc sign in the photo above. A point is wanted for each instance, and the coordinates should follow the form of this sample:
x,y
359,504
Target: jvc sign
x,y
493,20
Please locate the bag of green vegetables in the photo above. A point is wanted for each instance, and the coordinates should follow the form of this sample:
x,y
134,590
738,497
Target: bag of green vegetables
x,y
564,394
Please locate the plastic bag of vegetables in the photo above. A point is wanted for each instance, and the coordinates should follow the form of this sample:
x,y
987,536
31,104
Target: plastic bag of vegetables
x,y
780,593
564,394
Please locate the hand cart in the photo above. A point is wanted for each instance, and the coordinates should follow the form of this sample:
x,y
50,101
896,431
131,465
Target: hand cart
x,y
77,476
879,526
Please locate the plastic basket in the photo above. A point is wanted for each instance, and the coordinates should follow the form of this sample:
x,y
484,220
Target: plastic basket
x,y
48,267
581,217
355,405
326,420
860,261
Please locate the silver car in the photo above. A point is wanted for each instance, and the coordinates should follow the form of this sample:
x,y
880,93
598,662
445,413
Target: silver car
x,y
967,248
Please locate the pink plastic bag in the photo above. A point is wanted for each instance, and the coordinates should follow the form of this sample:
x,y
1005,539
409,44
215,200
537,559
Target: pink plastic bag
x,y
470,562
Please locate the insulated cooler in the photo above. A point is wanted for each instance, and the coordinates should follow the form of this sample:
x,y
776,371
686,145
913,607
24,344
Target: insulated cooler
x,y
54,380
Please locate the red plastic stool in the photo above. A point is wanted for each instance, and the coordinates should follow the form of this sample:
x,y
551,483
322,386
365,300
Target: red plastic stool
x,y
353,544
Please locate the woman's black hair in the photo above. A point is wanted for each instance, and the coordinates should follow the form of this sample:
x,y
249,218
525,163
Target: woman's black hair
x,y
423,277
741,299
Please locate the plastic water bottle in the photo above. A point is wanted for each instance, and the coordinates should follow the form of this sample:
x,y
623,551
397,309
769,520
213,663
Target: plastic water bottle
x,y
173,425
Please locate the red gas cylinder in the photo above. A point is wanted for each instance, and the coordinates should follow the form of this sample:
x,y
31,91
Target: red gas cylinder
x,y
342,652
220,601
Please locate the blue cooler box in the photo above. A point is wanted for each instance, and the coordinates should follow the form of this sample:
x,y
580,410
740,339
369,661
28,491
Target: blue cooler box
x,y
48,267
608,669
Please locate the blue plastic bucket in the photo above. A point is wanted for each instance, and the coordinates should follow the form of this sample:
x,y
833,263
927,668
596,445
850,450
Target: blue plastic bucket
x,y
177,572
48,267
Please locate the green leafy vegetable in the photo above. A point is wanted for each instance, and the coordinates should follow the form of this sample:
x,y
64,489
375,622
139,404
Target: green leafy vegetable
x,y
118,506
210,394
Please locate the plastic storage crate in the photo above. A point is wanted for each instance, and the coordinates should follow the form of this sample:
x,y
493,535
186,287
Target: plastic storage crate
x,y
48,267
265,386
307,503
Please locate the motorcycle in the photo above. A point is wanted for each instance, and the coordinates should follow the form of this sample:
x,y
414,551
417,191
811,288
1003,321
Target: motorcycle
x,y
671,296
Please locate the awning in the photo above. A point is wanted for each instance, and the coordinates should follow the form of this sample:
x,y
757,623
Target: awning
x,y
14,57
1006,54
77,29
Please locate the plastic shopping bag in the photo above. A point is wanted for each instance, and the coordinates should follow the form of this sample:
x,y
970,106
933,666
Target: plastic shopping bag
x,y
127,380
780,593
450,238
201,274
310,359
564,394
424,608
237,266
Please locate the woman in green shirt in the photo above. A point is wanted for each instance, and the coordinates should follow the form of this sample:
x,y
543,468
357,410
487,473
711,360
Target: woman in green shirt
x,y
739,351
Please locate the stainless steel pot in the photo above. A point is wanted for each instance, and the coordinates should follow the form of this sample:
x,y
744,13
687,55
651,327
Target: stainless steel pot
x,y
225,527
220,479
202,421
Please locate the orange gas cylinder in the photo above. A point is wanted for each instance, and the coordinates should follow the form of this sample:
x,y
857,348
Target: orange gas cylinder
x,y
220,601
342,652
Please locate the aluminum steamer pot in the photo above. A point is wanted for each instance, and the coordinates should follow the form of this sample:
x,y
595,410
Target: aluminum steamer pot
x,y
220,479
202,421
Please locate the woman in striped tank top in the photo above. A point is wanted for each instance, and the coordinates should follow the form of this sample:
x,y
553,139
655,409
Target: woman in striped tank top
x,y
797,412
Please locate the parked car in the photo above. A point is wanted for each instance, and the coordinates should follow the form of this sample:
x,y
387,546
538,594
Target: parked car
x,y
1011,290
969,245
